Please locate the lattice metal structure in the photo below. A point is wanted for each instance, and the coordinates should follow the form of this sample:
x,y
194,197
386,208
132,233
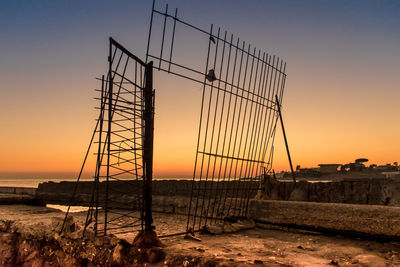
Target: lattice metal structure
x,y
123,138
242,90
238,118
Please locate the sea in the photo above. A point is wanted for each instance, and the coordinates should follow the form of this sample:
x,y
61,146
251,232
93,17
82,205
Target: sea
x,y
34,182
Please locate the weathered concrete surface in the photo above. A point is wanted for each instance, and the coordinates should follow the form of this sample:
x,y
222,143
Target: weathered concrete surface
x,y
363,219
29,235
17,195
372,191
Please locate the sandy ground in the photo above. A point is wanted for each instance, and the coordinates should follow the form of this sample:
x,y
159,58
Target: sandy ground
x,y
261,246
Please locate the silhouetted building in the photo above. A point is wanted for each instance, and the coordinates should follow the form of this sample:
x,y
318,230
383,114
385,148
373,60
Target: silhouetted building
x,y
328,168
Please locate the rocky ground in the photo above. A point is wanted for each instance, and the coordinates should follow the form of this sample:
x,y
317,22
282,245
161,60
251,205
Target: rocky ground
x,y
29,237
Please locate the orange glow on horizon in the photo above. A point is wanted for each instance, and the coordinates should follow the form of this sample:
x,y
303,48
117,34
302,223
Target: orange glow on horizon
x,y
340,101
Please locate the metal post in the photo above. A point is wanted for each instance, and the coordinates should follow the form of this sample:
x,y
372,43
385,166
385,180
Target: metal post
x,y
284,136
100,155
110,112
148,145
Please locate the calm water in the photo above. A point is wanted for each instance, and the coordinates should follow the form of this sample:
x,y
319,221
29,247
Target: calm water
x,y
34,182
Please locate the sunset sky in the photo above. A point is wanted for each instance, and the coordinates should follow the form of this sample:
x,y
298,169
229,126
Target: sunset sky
x,y
341,98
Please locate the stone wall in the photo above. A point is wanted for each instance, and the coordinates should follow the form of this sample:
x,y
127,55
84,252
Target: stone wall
x,y
372,191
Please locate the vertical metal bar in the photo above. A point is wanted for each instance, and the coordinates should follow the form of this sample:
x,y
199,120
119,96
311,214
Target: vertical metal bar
x,y
268,110
110,109
241,131
242,180
275,118
271,130
94,195
135,133
249,124
163,35
271,114
198,140
142,133
213,130
232,130
264,111
258,121
206,132
254,132
226,130
151,25
271,157
172,41
283,83
99,152
258,147
221,125
284,136
148,145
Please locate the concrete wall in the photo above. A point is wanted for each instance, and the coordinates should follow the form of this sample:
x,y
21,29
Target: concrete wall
x,y
372,191
17,195
165,192
380,221
18,190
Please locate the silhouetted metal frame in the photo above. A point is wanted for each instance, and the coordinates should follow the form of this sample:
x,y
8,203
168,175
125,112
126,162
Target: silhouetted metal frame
x,y
238,118
124,151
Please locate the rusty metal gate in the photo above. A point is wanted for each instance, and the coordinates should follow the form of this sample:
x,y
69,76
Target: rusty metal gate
x,y
241,87
121,193
242,90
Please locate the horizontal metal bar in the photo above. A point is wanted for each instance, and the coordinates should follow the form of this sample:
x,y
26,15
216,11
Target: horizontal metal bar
x,y
123,49
224,90
219,39
228,157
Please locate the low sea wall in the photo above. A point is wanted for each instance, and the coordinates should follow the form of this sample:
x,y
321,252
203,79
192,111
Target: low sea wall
x,y
17,195
371,191
17,190
168,195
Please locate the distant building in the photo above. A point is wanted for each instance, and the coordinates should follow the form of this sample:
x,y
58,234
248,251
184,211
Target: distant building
x,y
387,168
308,172
328,168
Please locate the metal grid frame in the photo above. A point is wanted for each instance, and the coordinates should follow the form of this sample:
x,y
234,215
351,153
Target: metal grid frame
x,y
121,193
242,88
